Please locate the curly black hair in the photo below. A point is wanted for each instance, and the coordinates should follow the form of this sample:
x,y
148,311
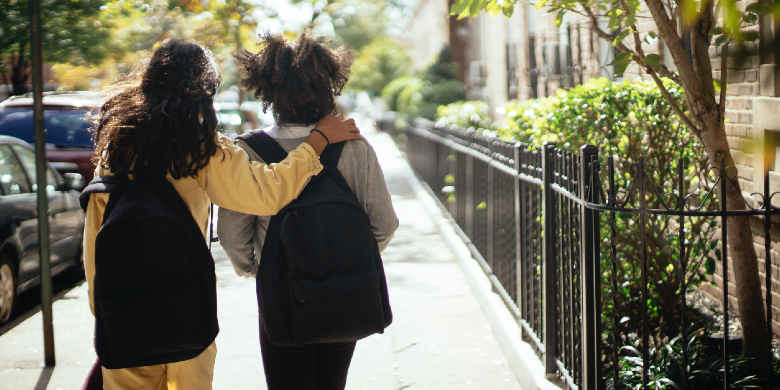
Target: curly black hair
x,y
161,118
298,81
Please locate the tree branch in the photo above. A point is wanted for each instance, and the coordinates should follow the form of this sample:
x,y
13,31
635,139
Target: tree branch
x,y
601,33
662,70
640,58
668,33
700,37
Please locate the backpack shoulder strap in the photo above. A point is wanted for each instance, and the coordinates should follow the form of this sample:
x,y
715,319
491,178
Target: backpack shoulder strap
x,y
330,158
113,185
331,155
98,185
265,146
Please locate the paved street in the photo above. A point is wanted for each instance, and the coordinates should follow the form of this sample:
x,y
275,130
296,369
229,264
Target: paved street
x,y
439,339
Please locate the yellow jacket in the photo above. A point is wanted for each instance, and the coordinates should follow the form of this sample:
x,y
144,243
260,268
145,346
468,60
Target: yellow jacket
x,y
229,181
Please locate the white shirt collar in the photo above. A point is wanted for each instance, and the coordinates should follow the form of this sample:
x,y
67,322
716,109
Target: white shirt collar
x,y
288,130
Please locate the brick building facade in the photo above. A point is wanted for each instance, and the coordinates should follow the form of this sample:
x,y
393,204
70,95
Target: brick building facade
x,y
528,56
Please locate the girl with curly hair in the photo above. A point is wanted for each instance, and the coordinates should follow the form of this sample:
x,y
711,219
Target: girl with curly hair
x,y
300,82
161,120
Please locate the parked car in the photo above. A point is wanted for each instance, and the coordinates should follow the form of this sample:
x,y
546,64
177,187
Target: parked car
x,y
69,144
19,261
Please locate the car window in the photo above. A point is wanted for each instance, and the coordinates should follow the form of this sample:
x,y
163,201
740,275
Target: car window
x,y
28,161
12,177
64,128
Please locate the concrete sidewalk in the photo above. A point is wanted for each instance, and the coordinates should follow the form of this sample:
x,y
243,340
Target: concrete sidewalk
x,y
439,339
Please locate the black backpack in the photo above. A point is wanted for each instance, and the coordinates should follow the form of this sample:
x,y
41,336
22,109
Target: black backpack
x,y
320,278
155,293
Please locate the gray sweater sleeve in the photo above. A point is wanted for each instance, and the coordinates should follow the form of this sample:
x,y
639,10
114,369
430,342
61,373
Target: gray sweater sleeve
x,y
377,201
236,232
242,235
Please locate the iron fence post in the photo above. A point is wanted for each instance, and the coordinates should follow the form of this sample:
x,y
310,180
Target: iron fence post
x,y
518,227
724,242
469,207
589,271
768,271
452,164
548,270
491,191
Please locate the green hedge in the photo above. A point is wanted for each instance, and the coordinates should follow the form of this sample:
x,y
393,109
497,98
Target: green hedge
x,y
628,120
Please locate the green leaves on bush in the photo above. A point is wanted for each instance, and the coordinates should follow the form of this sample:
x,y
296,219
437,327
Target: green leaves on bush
x,y
422,95
377,64
465,114
628,120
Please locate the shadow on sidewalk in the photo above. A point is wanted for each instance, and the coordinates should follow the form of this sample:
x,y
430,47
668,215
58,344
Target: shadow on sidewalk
x,y
44,378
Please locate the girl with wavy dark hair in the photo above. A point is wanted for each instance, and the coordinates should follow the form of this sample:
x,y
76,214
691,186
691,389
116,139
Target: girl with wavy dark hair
x,y
161,120
300,82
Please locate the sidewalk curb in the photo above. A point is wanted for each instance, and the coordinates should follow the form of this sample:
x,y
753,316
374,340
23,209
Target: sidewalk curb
x,y
522,359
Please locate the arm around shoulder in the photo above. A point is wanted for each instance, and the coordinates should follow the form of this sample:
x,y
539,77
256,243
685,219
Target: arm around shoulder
x,y
236,183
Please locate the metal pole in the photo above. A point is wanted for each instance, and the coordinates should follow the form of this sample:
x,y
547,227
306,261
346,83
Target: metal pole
x,y
768,271
683,269
491,196
725,262
548,269
518,235
645,294
612,201
40,168
589,272
469,209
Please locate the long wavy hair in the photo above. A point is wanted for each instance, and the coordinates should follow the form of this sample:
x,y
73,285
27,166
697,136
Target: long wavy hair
x,y
298,81
161,118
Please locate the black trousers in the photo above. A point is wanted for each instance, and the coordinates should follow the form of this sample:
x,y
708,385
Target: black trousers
x,y
311,367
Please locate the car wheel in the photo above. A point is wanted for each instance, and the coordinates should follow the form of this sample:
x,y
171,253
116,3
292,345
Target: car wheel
x,y
7,288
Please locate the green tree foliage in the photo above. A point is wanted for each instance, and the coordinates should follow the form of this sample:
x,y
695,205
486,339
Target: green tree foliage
x,y
73,31
218,25
422,95
377,64
358,23
137,27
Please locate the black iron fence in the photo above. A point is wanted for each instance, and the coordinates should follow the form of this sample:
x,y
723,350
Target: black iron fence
x,y
532,219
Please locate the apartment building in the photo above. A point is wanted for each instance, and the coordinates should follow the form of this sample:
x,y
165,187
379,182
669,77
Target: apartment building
x,y
528,56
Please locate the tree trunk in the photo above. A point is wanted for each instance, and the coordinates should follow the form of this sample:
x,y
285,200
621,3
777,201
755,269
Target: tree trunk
x,y
742,252
708,114
19,72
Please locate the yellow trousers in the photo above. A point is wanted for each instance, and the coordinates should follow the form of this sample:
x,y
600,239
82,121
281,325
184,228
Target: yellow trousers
x,y
193,374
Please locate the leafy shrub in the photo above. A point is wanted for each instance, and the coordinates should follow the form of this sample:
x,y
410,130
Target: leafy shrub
x,y
410,97
421,96
630,121
392,91
377,64
465,114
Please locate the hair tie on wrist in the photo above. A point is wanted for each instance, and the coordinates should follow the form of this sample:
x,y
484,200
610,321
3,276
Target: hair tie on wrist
x,y
321,133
